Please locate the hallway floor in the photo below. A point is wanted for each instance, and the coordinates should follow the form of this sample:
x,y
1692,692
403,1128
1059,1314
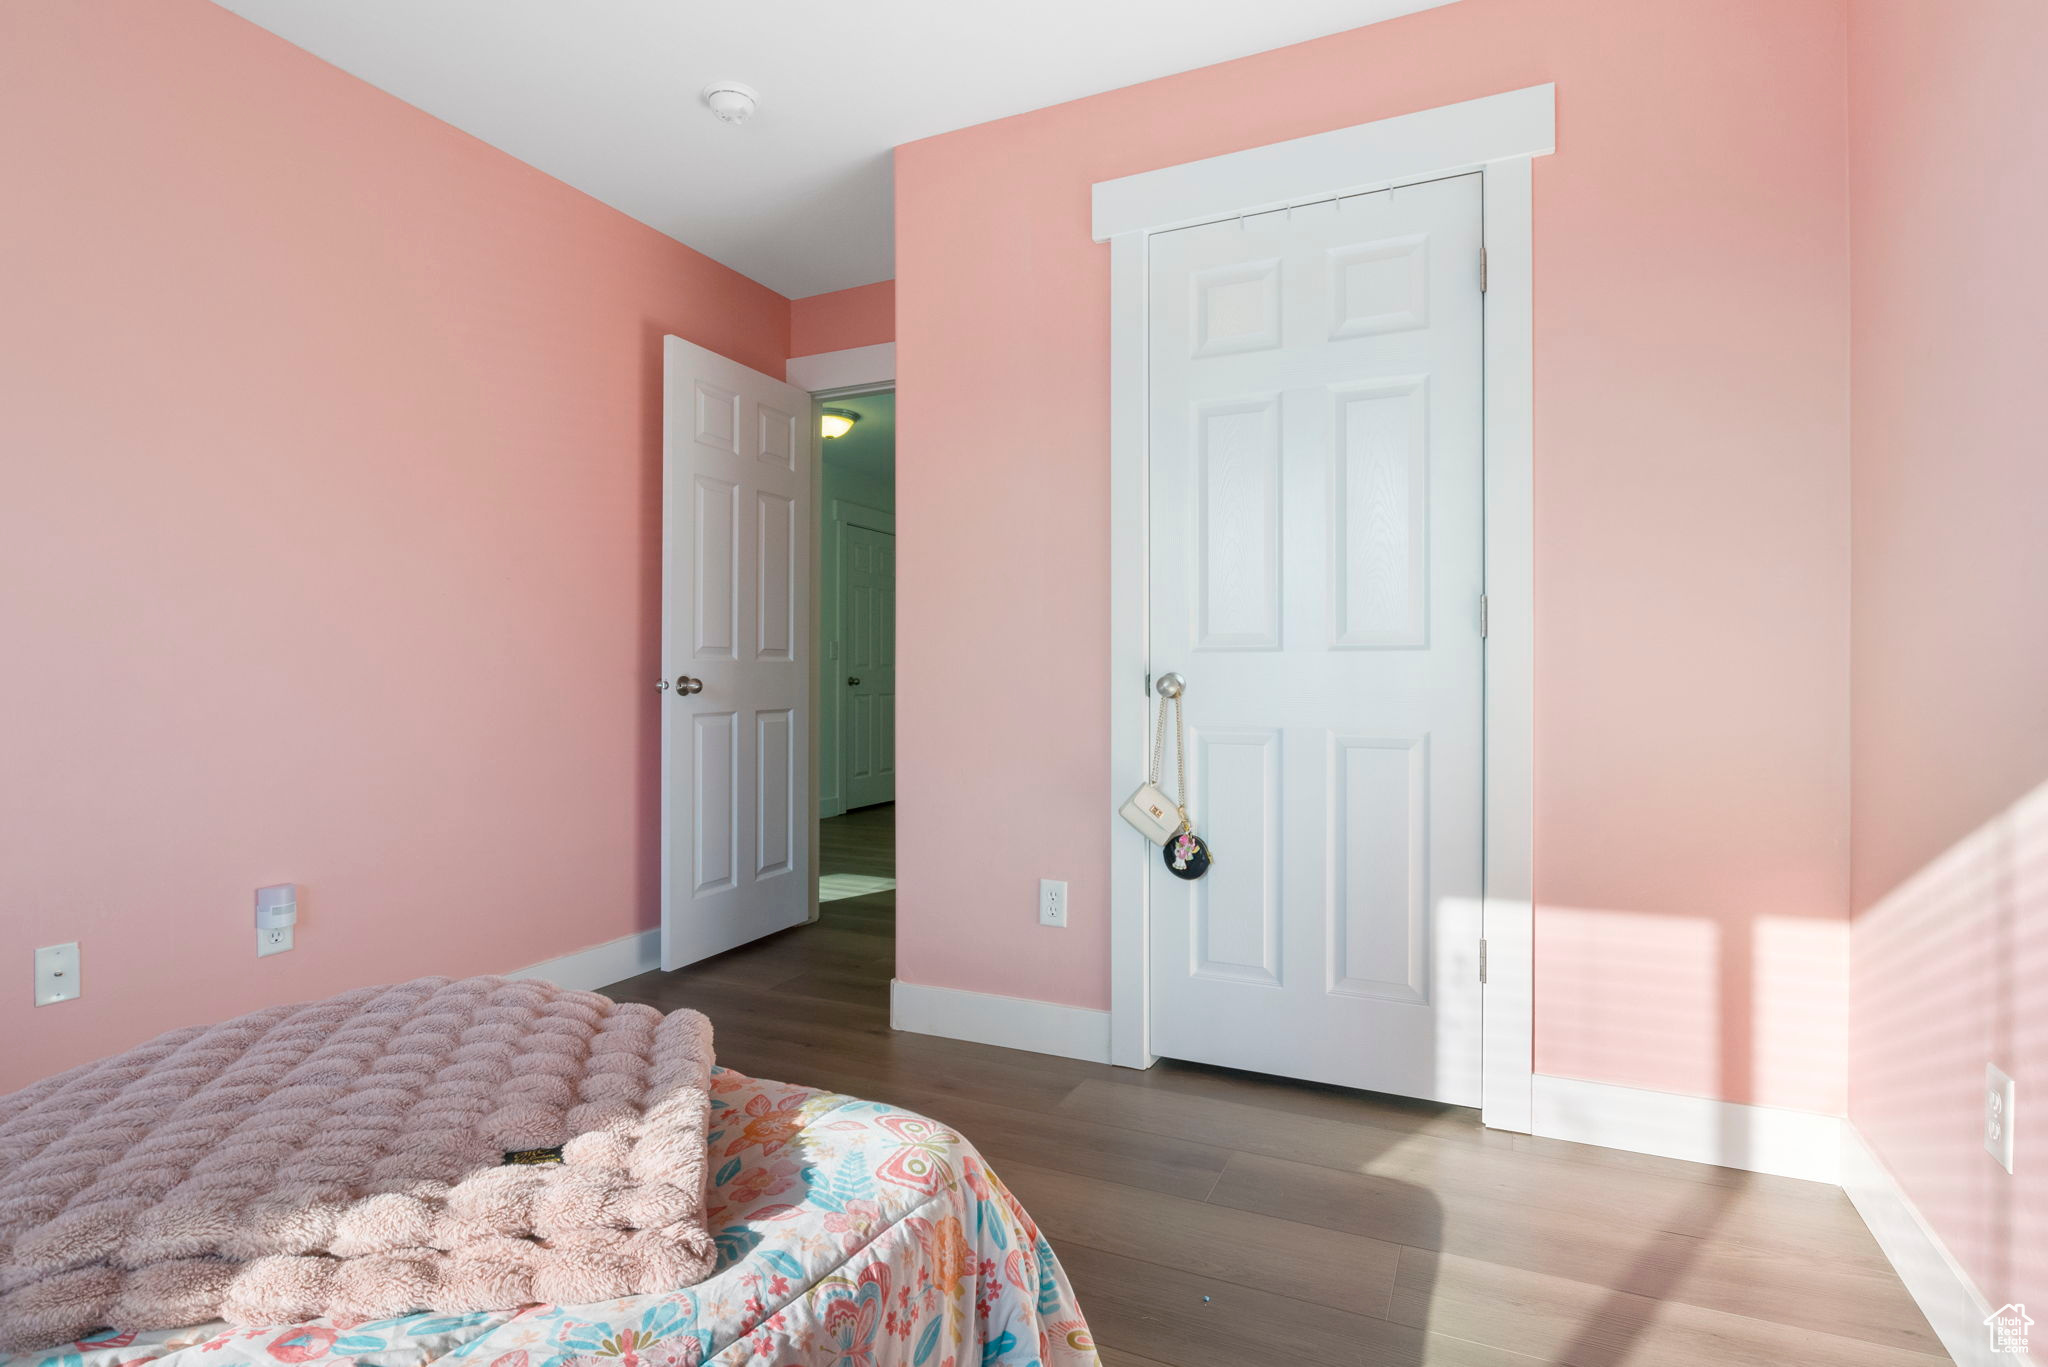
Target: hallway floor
x,y
1210,1218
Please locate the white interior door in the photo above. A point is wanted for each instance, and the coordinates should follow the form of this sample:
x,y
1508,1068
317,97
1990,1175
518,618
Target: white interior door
x,y
867,613
735,649
1315,573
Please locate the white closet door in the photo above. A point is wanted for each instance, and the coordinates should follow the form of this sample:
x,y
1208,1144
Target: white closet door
x,y
1316,570
735,618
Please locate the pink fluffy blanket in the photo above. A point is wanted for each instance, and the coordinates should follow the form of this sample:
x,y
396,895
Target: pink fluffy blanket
x,y
476,1144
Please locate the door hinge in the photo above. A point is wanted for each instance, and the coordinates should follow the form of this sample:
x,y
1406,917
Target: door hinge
x,y
1484,616
1482,270
1482,962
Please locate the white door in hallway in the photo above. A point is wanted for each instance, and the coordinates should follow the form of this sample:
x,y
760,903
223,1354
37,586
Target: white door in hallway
x,y
735,649
1315,570
867,612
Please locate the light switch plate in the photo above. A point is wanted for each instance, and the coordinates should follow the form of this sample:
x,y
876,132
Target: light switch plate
x,y
1998,1116
56,974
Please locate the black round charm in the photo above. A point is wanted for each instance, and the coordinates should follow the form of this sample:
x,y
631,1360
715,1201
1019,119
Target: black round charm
x,y
1186,855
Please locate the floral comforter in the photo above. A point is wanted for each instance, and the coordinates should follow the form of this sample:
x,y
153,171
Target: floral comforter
x,y
850,1233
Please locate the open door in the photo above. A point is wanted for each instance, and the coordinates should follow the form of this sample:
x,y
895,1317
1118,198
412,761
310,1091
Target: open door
x,y
735,649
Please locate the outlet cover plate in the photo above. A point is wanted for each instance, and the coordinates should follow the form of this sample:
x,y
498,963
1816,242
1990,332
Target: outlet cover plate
x,y
1052,902
269,942
1998,1116
56,974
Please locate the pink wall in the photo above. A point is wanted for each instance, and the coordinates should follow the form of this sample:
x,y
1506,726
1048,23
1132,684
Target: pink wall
x,y
328,528
1949,118
1691,516
861,316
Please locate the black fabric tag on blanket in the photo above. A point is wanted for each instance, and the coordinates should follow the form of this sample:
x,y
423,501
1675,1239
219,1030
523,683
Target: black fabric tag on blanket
x,y
513,1156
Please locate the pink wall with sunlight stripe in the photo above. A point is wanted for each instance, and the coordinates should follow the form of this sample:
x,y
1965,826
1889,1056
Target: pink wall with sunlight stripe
x,y
1691,516
1948,122
861,316
329,529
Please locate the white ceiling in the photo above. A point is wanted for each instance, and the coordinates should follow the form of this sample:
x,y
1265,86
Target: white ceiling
x,y
604,94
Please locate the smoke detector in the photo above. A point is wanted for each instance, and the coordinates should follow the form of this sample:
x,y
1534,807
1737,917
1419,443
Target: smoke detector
x,y
732,102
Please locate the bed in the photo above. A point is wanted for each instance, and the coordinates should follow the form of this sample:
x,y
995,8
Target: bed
x,y
849,1233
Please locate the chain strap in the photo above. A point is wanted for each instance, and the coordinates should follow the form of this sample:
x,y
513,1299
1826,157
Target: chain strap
x,y
1180,755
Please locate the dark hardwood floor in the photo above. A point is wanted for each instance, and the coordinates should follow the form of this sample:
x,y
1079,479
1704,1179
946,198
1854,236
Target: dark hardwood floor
x,y
1212,1219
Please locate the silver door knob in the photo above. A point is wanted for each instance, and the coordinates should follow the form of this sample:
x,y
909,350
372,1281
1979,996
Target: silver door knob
x,y
661,685
1171,685
685,685
852,682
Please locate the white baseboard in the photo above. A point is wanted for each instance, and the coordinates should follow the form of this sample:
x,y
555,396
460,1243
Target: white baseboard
x,y
1954,1307
1011,1022
586,970
1700,1129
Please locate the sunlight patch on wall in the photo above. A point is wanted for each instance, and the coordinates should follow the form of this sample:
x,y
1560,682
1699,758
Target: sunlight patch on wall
x,y
1799,1012
1630,998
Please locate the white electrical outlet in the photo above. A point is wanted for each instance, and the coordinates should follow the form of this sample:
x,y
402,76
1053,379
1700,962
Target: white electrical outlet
x,y
56,974
1052,902
1998,1116
277,911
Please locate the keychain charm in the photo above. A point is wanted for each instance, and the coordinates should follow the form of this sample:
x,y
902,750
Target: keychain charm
x,y
1186,855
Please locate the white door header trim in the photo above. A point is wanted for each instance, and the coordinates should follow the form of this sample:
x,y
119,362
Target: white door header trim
x,y
859,365
1433,142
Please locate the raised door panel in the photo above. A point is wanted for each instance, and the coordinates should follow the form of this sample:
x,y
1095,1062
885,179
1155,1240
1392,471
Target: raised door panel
x,y
716,514
864,612
775,791
861,731
1379,287
1236,905
885,644
1379,930
1379,515
1237,545
775,544
717,417
715,794
780,436
1236,308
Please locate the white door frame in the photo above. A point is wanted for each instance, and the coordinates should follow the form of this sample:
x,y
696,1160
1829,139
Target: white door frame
x,y
1496,136
830,375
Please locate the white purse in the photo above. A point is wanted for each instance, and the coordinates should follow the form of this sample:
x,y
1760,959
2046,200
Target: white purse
x,y
1155,815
